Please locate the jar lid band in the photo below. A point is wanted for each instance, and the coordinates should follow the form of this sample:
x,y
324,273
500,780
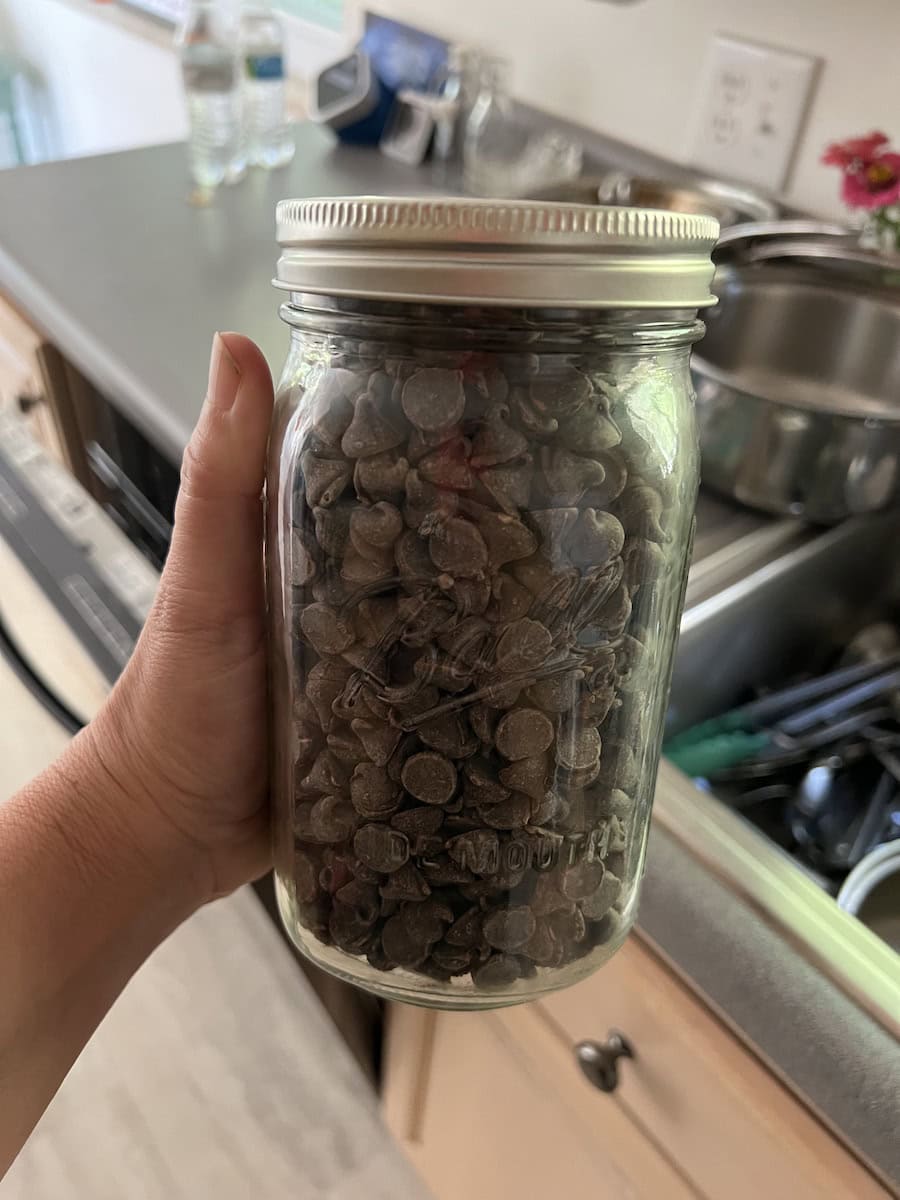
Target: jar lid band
x,y
496,252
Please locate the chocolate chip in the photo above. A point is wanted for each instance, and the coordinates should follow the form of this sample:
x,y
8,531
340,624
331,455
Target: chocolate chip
x,y
381,848
509,485
596,538
429,777
331,819
441,871
327,774
372,430
555,526
530,775
303,564
454,960
645,562
406,883
481,785
509,928
555,693
457,547
427,921
599,902
615,613
326,681
345,746
499,971
416,570
497,441
533,419
513,813
616,803
466,930
582,879
306,877
577,746
524,732
483,721
374,530
363,898
561,392
542,947
450,735
506,538
399,946
326,630
324,478
640,510
523,645
568,927
348,932
381,476
433,398
567,476
589,431
448,466
378,739
373,794
418,821
333,529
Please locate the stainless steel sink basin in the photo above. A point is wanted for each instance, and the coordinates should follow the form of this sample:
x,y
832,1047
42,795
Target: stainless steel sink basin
x,y
794,610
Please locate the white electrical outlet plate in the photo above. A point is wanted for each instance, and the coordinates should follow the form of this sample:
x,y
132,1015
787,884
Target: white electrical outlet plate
x,y
753,100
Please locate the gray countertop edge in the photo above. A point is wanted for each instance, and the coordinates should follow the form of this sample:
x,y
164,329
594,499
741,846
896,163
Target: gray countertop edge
x,y
106,373
807,1028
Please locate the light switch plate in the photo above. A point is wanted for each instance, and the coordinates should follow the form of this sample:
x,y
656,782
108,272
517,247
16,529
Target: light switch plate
x,y
752,103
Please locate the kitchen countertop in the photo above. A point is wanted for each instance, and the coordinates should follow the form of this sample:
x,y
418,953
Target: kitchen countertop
x,y
130,282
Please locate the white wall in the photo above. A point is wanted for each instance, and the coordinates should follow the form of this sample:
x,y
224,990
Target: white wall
x,y
110,89
631,71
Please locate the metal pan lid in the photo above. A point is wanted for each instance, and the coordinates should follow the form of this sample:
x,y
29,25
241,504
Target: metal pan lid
x,y
496,252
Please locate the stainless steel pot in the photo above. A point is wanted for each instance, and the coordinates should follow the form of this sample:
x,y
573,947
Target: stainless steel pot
x,y
798,393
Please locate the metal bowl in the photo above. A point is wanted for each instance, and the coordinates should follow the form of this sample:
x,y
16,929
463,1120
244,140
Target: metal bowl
x,y
730,205
798,393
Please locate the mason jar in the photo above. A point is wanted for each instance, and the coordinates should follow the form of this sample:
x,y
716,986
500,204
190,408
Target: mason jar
x,y
480,502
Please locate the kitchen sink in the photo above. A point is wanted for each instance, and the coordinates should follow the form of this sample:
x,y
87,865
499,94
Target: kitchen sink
x,y
789,612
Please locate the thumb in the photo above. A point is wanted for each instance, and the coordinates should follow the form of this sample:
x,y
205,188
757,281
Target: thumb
x,y
213,575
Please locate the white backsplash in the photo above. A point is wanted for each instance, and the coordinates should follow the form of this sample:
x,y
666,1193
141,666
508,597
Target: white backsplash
x,y
632,71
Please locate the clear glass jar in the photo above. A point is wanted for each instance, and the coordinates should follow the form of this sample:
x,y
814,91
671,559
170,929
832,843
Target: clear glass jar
x,y
479,524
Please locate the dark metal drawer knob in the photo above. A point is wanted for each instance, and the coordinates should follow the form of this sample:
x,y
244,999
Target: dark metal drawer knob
x,y
599,1060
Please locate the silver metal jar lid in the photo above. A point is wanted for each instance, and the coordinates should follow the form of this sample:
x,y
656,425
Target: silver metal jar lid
x,y
499,252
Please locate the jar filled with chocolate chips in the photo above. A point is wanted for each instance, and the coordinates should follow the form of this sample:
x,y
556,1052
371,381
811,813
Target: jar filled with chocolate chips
x,y
480,502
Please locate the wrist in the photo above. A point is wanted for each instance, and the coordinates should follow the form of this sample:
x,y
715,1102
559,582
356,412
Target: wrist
x,y
121,833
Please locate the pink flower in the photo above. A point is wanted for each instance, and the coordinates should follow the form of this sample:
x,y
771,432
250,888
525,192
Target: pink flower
x,y
854,151
873,184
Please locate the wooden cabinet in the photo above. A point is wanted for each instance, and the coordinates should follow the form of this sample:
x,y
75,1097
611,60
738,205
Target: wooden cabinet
x,y
42,387
495,1105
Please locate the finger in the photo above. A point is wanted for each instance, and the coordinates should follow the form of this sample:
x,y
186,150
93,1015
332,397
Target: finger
x,y
215,561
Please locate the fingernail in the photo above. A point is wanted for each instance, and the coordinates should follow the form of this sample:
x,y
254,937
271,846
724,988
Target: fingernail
x,y
224,376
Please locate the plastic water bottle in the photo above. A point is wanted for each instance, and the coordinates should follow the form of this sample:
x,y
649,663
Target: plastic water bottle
x,y
207,43
269,140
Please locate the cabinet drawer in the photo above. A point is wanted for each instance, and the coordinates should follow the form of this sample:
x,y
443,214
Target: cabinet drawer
x,y
703,1098
487,1105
